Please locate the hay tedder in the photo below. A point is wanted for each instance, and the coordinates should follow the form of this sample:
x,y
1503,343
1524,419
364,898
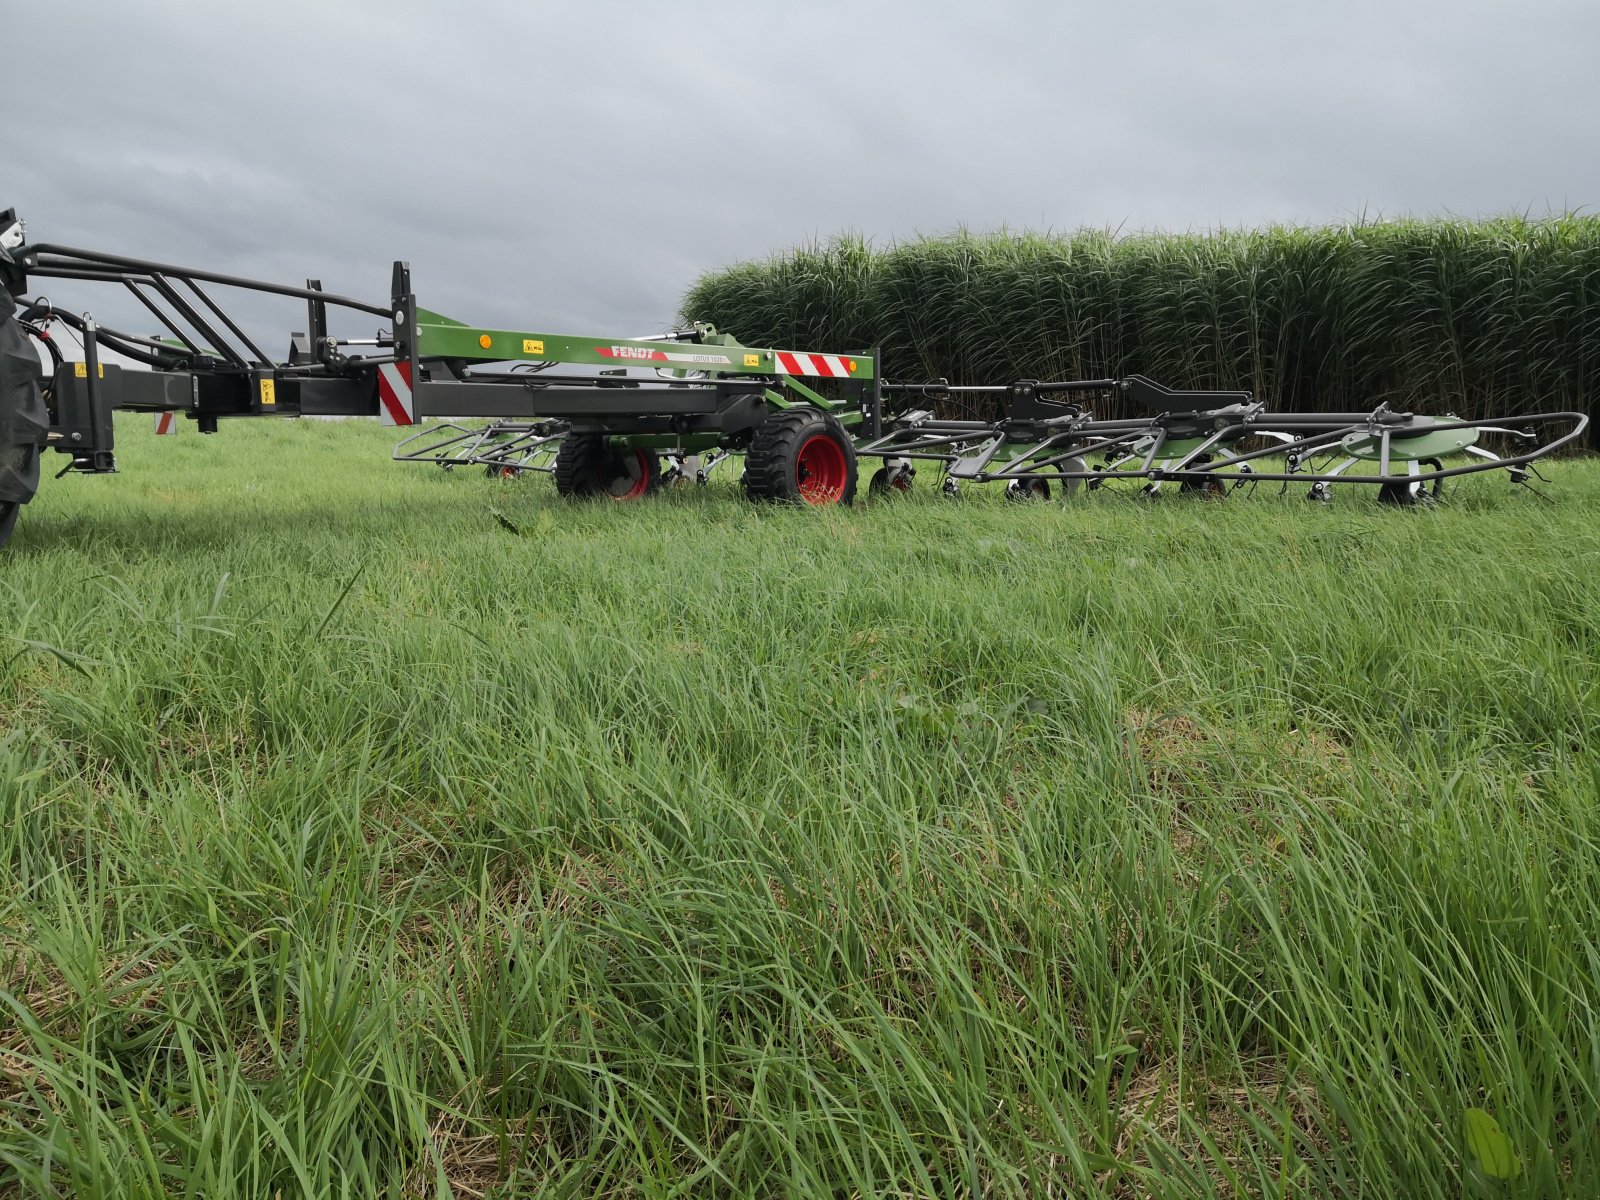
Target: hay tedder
x,y
621,417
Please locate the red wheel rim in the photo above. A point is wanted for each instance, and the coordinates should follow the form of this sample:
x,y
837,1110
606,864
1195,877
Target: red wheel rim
x,y
821,470
634,481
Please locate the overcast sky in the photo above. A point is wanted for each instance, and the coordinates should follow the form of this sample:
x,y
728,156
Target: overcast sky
x,y
574,167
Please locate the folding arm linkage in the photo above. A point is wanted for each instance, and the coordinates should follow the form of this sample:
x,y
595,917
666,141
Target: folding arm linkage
x,y
1205,441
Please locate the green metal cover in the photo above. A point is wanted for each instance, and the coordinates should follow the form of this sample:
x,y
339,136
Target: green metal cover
x,y
1409,447
440,337
1181,447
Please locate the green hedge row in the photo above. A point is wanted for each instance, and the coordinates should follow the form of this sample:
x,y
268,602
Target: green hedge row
x,y
1475,317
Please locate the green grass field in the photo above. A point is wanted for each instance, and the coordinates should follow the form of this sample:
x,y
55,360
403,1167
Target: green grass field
x,y
353,844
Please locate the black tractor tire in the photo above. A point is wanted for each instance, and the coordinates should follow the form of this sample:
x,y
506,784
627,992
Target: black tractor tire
x,y
800,456
586,465
24,419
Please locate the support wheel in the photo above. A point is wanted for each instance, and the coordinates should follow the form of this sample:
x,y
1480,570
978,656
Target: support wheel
x,y
1028,489
1406,495
1069,487
586,465
1435,487
887,481
24,420
1202,485
801,455
1398,495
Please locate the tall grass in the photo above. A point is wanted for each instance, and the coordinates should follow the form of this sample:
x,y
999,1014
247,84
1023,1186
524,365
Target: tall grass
x,y
1479,318
353,845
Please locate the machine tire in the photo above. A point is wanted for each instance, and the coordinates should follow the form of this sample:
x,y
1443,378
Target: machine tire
x,y
887,483
586,465
1405,495
801,456
1396,495
1436,488
24,419
1203,486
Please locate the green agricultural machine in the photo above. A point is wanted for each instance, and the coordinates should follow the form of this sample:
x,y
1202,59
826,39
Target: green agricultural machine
x,y
792,415
1202,442
1206,443
620,417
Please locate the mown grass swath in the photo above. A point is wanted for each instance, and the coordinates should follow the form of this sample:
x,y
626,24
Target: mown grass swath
x,y
354,845
1478,318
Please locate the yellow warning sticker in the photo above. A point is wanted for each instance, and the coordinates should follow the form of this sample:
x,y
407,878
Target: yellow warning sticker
x,y
81,370
269,393
752,360
531,346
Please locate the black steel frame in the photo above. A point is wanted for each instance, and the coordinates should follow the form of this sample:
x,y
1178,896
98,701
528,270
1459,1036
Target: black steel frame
x,y
1042,438
211,369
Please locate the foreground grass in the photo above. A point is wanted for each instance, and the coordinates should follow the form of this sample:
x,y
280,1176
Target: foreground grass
x,y
355,845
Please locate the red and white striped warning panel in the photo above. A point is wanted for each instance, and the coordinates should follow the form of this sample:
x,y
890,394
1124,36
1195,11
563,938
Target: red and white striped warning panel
x,y
166,422
395,405
829,366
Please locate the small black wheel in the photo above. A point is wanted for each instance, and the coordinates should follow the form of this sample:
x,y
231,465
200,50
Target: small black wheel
x,y
1202,485
1028,489
1069,487
1434,487
1414,492
801,455
587,465
673,475
1397,494
24,419
887,482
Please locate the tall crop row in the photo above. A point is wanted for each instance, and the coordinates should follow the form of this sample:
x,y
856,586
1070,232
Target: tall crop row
x,y
1477,318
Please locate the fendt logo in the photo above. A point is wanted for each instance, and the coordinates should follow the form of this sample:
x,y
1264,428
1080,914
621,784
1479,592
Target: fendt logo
x,y
646,354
